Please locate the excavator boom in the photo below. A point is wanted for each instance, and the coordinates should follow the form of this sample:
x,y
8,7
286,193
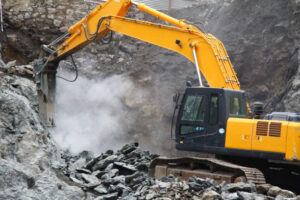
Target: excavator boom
x,y
205,50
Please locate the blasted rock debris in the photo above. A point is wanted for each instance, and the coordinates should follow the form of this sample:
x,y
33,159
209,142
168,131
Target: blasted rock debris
x,y
119,175
20,70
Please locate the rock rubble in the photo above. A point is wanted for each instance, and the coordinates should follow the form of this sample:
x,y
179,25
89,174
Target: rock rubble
x,y
20,70
123,175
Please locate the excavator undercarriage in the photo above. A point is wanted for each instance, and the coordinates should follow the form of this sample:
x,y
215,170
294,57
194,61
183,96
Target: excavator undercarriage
x,y
213,168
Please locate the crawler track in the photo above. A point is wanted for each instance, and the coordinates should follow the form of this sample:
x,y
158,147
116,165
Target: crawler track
x,y
284,174
205,167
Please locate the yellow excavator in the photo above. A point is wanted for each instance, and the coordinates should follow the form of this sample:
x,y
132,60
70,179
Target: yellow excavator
x,y
214,119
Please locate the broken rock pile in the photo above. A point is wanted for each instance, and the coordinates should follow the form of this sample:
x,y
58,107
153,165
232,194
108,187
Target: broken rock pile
x,y
123,175
110,175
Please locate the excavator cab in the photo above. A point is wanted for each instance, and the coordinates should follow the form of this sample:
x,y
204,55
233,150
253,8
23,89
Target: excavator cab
x,y
202,117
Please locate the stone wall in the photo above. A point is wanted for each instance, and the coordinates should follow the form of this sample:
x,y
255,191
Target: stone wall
x,y
28,24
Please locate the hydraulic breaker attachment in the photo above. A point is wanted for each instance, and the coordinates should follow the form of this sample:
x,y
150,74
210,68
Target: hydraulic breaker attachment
x,y
45,78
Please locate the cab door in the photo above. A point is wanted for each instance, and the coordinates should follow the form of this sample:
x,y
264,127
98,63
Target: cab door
x,y
214,137
192,119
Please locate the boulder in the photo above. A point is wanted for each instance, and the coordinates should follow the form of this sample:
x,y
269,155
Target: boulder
x,y
102,164
101,189
263,188
112,196
243,187
275,191
90,179
211,195
125,169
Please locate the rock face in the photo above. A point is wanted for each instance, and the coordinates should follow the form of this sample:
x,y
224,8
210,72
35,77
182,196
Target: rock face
x,y
291,95
41,21
29,155
263,43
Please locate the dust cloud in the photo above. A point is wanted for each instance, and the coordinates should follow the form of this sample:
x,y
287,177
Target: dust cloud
x,y
101,114
91,115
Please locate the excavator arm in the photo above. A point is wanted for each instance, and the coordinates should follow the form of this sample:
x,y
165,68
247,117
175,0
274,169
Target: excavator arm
x,y
204,50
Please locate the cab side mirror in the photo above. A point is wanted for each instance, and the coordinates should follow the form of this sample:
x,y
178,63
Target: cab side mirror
x,y
189,84
258,110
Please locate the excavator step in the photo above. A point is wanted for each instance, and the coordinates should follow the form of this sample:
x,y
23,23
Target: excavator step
x,y
216,169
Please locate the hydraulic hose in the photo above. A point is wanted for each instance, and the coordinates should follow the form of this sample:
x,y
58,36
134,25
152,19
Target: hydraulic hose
x,y
94,35
76,72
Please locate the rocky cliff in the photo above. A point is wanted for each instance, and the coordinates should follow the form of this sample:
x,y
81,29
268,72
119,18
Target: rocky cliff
x,y
29,155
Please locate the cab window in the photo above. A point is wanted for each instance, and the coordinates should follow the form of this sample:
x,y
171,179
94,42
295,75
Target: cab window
x,y
236,106
214,109
194,108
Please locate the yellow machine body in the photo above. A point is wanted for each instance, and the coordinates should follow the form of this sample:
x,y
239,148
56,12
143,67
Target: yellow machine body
x,y
264,135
